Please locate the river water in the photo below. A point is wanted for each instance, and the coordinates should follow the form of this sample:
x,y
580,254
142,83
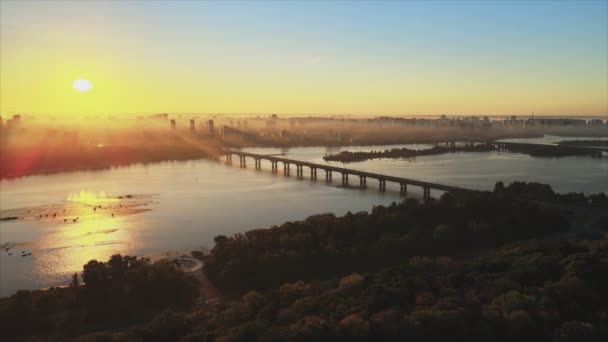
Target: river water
x,y
184,205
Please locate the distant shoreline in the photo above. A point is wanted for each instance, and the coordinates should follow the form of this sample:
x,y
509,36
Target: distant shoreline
x,y
110,157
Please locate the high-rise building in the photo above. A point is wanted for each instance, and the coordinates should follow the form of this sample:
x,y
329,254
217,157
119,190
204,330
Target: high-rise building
x,y
211,127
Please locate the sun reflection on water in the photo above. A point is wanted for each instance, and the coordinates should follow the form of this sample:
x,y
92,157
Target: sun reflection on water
x,y
96,227
90,198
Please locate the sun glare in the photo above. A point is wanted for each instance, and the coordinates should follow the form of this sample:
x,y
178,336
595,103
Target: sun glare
x,y
82,85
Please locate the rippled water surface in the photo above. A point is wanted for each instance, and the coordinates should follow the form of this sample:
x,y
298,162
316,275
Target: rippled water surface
x,y
183,205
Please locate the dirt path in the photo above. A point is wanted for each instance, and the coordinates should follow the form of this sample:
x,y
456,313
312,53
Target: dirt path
x,y
195,267
208,290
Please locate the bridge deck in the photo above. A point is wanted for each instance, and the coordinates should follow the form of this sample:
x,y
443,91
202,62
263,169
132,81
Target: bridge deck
x,y
378,176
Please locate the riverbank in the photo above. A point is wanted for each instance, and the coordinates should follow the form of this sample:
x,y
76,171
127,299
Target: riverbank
x,y
16,162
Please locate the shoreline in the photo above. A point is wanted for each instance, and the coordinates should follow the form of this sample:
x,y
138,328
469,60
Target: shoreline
x,y
216,156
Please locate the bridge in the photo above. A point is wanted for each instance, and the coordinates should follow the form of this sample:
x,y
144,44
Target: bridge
x,y
345,173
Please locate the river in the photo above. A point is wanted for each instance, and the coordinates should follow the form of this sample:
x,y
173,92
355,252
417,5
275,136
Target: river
x,y
184,205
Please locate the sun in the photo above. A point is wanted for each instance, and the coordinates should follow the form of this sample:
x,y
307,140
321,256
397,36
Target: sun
x,y
82,85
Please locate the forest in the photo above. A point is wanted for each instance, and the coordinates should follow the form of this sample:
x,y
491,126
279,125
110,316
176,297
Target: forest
x,y
112,295
544,192
367,241
534,290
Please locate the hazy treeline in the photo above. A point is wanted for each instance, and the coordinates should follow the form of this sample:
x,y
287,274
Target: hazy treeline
x,y
36,150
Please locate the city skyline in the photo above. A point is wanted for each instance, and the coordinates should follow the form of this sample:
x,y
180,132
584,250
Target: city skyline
x,y
408,58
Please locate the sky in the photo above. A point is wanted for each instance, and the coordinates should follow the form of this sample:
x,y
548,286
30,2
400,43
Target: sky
x,y
359,58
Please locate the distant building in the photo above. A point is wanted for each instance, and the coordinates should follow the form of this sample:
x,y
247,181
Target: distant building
x,y
271,123
595,123
173,124
333,135
192,127
162,116
231,133
211,127
556,122
70,137
14,122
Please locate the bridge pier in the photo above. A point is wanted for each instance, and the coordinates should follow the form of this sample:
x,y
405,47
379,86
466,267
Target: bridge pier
x,y
258,163
229,158
285,169
300,171
363,181
426,193
313,173
381,185
243,161
403,191
274,166
327,175
344,178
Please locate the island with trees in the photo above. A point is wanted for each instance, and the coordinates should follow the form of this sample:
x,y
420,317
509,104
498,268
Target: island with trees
x,y
398,153
586,143
534,150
